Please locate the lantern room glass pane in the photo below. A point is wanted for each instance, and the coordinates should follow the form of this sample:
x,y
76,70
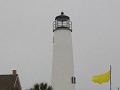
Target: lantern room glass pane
x,y
59,23
65,24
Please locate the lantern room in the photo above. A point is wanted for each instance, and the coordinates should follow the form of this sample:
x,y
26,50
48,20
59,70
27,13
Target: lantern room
x,y
62,22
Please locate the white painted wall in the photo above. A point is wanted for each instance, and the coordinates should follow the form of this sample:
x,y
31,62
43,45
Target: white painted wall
x,y
63,68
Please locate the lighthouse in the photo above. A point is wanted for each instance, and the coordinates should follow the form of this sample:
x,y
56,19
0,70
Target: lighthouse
x,y
63,67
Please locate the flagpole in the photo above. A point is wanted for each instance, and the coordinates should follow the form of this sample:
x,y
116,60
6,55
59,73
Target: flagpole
x,y
110,78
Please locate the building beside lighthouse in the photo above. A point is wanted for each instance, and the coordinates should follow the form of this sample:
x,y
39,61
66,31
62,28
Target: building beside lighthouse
x,y
63,67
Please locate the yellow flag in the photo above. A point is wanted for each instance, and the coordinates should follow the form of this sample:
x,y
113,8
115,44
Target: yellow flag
x,y
103,78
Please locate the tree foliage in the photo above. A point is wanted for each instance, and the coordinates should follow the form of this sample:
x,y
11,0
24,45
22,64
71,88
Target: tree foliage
x,y
14,88
41,86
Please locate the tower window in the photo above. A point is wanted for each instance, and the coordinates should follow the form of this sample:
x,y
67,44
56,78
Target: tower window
x,y
53,39
73,80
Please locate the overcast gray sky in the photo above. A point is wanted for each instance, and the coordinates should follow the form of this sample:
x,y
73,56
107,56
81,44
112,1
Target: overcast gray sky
x,y
26,35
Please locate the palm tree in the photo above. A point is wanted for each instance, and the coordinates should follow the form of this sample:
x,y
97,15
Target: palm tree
x,y
41,86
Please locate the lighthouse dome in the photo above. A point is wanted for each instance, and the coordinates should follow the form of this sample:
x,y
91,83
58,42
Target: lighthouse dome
x,y
62,17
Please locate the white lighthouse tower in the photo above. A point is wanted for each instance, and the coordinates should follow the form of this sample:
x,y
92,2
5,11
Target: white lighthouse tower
x,y
63,69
